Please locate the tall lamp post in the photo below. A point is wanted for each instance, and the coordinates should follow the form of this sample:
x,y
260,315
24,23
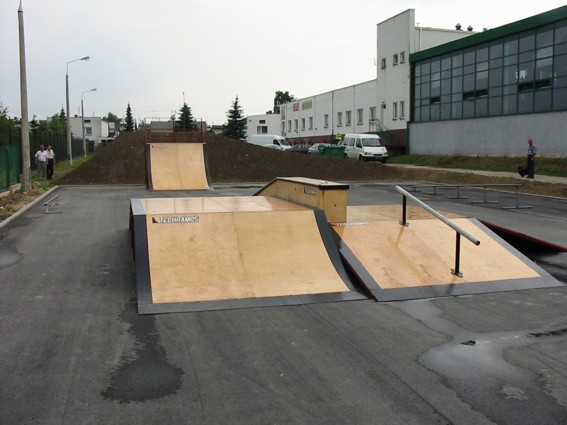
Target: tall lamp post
x,y
83,121
70,153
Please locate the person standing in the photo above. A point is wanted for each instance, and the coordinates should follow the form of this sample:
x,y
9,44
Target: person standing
x,y
50,162
532,150
41,162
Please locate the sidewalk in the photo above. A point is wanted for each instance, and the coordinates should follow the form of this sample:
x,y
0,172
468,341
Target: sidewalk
x,y
504,174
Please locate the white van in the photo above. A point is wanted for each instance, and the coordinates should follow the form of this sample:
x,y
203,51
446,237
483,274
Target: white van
x,y
364,147
270,141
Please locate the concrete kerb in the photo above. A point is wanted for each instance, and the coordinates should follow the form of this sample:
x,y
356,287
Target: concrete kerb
x,y
27,207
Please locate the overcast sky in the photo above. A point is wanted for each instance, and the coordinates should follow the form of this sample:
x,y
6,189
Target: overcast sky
x,y
153,54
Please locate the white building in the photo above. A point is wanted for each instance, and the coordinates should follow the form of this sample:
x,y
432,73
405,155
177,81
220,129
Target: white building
x,y
263,124
97,130
376,106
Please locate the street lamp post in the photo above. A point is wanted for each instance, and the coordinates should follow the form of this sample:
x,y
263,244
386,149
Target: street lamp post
x,y
83,121
69,148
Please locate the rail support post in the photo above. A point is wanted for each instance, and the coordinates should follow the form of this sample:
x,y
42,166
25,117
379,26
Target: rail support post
x,y
456,270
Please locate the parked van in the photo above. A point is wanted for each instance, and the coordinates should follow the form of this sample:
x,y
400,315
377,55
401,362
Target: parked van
x,y
364,147
270,141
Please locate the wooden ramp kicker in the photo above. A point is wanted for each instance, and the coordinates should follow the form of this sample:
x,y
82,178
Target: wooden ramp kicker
x,y
396,262
177,166
197,254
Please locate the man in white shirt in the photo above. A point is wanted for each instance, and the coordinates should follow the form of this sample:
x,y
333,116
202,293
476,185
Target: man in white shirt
x,y
50,162
41,162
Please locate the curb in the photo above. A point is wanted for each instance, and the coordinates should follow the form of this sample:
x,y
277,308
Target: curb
x,y
27,207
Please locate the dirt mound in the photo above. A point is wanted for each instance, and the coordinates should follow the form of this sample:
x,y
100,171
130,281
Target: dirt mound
x,y
123,162
231,161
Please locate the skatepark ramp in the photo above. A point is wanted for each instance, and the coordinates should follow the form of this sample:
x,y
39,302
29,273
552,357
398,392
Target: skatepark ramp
x,y
213,253
177,166
233,252
400,260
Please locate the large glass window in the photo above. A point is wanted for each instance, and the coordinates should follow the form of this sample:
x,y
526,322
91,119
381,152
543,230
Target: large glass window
x,y
520,73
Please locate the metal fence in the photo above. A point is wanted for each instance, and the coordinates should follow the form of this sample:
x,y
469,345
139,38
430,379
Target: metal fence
x,y
11,157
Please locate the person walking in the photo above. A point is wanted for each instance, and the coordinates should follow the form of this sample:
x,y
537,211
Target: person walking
x,y
532,150
50,162
41,162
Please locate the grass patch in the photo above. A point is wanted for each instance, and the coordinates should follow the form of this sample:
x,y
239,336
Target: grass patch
x,y
544,166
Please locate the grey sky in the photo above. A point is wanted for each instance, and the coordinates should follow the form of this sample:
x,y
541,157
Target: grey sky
x,y
148,53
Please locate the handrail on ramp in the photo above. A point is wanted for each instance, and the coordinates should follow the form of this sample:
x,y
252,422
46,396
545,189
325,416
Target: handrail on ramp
x,y
459,231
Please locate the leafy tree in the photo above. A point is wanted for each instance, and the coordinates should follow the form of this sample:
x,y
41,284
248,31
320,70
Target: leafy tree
x,y
129,120
57,125
185,120
280,99
110,117
235,128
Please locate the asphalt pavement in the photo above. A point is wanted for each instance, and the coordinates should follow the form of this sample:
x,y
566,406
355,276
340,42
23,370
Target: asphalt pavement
x,y
75,351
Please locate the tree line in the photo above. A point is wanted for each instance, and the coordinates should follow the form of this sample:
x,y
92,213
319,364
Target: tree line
x,y
235,127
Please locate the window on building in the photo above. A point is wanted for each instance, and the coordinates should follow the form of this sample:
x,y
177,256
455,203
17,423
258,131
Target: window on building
x,y
296,124
88,131
262,121
395,60
339,119
348,118
383,63
359,116
326,120
302,124
310,123
402,109
289,125
262,129
372,113
402,57
395,110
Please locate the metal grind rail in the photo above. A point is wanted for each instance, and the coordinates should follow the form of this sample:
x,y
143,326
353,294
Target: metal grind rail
x,y
50,204
459,231
485,188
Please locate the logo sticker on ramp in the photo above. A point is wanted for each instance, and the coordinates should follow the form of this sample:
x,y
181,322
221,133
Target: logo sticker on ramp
x,y
172,220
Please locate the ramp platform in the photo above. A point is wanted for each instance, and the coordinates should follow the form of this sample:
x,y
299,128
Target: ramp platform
x,y
396,262
177,166
197,254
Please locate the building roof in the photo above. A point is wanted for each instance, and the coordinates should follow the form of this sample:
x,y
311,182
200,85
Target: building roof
x,y
499,32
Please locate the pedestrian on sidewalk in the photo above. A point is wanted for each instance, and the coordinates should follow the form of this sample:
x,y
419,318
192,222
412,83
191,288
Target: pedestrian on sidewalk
x,y
532,150
50,162
41,162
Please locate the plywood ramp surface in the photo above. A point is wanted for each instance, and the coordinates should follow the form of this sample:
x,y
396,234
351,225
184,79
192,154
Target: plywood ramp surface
x,y
233,255
201,205
423,253
372,213
176,166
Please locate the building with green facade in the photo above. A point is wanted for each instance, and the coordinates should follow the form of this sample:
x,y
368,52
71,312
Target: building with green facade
x,y
487,94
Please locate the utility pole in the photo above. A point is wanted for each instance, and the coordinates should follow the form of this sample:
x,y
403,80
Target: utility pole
x,y
25,126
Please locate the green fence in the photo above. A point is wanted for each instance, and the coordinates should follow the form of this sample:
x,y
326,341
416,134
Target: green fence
x,y
11,158
10,166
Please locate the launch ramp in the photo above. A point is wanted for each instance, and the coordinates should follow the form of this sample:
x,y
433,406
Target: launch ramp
x,y
398,262
177,166
215,253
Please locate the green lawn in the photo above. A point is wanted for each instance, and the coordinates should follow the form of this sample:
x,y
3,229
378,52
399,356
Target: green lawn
x,y
544,166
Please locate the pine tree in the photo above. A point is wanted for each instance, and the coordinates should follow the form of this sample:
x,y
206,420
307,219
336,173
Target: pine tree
x,y
185,121
129,120
235,128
